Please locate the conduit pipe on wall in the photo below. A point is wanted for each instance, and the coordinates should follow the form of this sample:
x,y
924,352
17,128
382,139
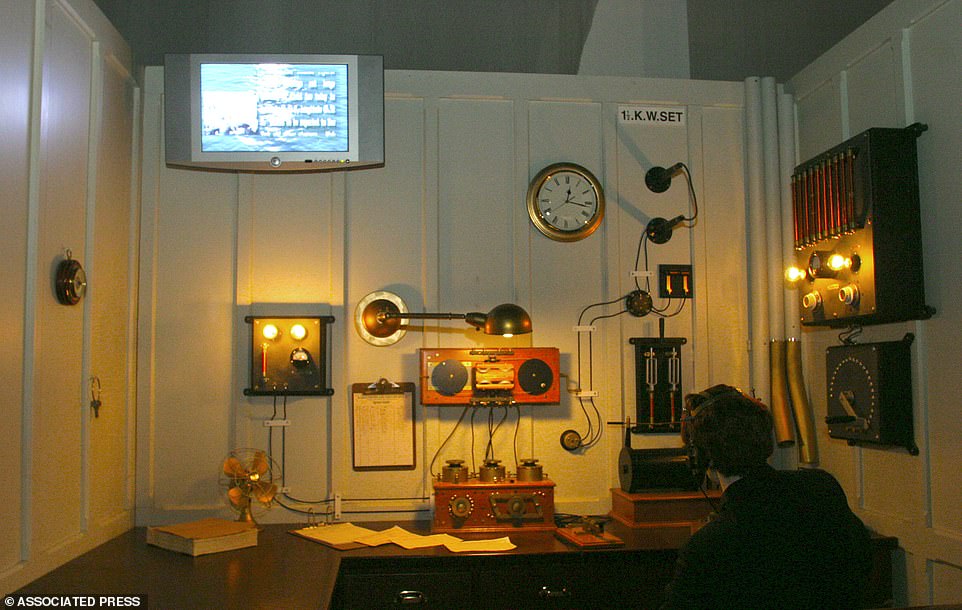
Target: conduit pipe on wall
x,y
804,416
770,147
780,405
807,448
757,242
781,408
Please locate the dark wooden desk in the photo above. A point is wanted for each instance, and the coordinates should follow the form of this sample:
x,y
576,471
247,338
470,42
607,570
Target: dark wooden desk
x,y
286,571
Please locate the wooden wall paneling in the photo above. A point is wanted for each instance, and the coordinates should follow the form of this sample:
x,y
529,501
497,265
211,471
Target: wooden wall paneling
x,y
936,43
476,257
112,284
453,240
642,146
63,192
892,71
151,170
566,277
193,348
389,240
874,92
476,211
16,48
946,582
285,245
721,271
58,381
818,110
291,241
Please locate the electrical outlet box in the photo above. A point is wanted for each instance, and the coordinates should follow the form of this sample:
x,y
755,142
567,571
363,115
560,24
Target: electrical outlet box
x,y
674,282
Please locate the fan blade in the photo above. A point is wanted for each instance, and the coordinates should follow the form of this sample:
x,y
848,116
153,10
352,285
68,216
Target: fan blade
x,y
264,492
237,496
234,469
259,463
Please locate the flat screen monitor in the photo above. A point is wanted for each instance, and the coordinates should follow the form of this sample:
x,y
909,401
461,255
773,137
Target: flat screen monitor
x,y
274,113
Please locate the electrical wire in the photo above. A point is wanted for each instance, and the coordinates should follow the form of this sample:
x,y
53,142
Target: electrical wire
x,y
441,446
594,434
849,336
517,426
326,501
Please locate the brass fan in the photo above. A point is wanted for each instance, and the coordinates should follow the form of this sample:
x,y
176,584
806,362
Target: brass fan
x,y
250,481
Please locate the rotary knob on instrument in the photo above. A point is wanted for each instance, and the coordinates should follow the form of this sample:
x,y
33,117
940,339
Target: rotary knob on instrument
x,y
811,301
516,507
460,507
849,295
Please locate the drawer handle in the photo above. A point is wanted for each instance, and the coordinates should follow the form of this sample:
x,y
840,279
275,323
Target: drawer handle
x,y
549,593
410,598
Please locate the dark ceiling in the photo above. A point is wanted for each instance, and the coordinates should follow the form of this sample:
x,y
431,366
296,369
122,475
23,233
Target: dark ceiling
x,y
727,39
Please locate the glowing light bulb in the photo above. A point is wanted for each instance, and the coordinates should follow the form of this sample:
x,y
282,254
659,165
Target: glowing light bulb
x,y
270,332
298,332
837,262
507,335
794,274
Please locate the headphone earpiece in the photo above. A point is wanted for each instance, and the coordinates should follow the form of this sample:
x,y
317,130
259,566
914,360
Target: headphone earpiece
x,y
698,463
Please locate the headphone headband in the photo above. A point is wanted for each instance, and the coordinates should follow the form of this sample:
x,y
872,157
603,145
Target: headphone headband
x,y
709,398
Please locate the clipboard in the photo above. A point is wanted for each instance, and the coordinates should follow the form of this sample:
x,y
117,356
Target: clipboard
x,y
383,425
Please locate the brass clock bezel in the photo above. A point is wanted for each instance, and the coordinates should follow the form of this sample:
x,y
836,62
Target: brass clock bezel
x,y
534,211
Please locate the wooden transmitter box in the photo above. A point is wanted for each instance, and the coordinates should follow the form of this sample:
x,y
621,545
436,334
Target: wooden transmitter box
x,y
503,506
495,376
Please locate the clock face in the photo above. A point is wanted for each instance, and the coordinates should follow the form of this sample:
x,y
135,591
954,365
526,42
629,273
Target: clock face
x,y
565,202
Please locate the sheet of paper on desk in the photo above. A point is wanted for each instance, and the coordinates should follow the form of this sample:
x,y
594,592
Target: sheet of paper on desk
x,y
339,533
473,546
403,538
348,535
416,541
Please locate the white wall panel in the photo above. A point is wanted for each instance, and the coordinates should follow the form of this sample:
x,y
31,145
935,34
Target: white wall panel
x,y
290,239
936,43
66,173
476,205
193,348
639,147
389,225
819,110
443,224
62,222
566,277
894,71
721,278
946,583
16,45
111,285
873,89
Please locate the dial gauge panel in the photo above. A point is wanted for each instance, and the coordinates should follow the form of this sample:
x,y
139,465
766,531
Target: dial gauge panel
x,y
869,393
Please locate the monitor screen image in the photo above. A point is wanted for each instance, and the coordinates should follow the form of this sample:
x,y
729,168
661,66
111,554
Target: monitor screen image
x,y
273,112
274,107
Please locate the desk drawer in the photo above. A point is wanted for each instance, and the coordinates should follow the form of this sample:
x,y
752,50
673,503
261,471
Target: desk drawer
x,y
449,590
535,584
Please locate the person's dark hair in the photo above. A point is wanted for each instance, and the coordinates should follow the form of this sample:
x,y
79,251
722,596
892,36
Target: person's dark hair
x,y
731,429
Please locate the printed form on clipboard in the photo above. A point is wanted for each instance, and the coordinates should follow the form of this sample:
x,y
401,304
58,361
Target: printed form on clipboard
x,y
383,425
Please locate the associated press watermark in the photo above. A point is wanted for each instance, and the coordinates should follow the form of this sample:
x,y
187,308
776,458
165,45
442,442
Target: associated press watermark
x,y
74,601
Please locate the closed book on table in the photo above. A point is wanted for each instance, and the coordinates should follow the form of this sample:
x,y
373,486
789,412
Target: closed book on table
x,y
204,536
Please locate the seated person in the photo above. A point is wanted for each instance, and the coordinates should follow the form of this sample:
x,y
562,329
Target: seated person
x,y
780,539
